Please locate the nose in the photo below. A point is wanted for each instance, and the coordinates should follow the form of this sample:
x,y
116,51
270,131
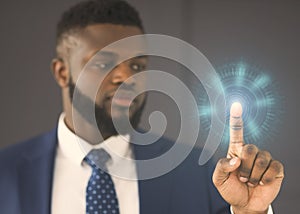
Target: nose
x,y
121,73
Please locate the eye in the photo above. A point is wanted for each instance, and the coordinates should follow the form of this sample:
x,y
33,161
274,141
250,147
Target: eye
x,y
137,67
102,66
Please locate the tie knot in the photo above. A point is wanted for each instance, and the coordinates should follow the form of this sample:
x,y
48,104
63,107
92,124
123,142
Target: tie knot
x,y
97,158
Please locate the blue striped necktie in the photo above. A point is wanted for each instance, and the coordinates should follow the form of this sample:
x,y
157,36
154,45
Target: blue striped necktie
x,y
101,196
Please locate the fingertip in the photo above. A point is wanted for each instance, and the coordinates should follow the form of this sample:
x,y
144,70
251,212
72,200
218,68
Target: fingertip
x,y
236,109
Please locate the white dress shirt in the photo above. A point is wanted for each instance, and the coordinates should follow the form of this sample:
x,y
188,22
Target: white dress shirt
x,y
71,173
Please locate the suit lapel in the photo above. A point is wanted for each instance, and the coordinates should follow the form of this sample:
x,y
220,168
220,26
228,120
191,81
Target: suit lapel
x,y
154,194
35,175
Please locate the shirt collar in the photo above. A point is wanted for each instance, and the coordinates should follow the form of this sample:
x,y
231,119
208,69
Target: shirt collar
x,y
76,148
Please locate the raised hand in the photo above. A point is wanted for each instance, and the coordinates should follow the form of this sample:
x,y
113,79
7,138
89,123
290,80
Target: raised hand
x,y
248,179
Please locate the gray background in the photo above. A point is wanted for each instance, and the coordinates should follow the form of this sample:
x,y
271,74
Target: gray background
x,y
263,32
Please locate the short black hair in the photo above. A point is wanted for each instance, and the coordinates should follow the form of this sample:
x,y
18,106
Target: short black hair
x,y
91,12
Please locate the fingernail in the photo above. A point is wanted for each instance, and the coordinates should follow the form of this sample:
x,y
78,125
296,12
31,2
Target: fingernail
x,y
261,183
250,184
233,161
243,179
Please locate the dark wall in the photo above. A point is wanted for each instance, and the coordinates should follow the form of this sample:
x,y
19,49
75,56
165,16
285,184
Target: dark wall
x,y
261,32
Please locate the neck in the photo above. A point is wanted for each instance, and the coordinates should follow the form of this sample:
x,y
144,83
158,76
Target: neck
x,y
85,130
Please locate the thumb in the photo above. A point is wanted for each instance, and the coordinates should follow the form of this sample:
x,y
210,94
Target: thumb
x,y
223,169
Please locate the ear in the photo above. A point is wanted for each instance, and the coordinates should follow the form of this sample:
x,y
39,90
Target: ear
x,y
60,72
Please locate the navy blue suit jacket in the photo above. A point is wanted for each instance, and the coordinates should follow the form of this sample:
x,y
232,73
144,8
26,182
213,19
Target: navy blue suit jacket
x,y
27,170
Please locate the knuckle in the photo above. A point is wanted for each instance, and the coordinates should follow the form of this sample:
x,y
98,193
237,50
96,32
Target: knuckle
x,y
222,162
265,154
250,149
276,166
267,180
254,181
245,172
261,163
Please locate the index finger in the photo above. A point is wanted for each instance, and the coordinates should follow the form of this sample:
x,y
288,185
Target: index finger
x,y
236,140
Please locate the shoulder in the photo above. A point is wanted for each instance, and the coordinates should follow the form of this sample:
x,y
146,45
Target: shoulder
x,y
32,147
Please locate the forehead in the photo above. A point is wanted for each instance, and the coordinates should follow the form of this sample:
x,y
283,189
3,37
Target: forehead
x,y
104,34
100,37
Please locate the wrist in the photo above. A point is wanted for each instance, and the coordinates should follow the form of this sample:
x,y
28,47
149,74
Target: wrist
x,y
239,210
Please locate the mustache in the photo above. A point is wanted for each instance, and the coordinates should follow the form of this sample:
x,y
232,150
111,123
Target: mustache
x,y
127,93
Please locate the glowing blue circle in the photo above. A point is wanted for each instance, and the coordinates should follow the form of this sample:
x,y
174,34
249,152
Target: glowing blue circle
x,y
258,95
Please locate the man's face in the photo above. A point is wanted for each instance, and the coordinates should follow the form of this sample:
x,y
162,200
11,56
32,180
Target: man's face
x,y
85,57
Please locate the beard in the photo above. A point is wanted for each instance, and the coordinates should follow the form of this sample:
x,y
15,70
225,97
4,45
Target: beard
x,y
103,119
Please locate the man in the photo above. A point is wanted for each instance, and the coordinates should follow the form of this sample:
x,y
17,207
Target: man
x,y
52,173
